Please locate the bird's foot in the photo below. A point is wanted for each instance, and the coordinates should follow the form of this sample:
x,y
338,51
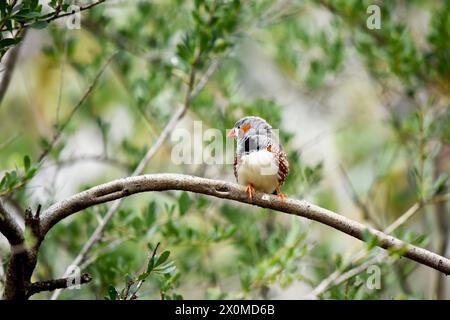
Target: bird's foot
x,y
281,195
250,191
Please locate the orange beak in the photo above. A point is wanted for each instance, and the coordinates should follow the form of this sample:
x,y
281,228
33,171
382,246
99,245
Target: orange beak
x,y
232,133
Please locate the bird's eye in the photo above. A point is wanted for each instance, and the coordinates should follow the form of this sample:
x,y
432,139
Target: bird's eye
x,y
238,127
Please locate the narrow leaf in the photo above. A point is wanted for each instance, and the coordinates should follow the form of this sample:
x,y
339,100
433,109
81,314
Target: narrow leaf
x,y
162,258
26,163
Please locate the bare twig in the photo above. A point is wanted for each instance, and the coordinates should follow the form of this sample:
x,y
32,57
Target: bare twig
x,y
141,282
443,221
109,248
94,158
51,285
59,16
61,77
367,214
332,279
357,200
61,128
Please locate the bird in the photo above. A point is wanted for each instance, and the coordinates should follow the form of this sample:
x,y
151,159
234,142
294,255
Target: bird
x,y
259,160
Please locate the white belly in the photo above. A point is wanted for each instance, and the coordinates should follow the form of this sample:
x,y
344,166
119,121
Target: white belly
x,y
260,169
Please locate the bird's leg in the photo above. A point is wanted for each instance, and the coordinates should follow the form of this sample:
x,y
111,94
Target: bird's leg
x,y
281,194
250,191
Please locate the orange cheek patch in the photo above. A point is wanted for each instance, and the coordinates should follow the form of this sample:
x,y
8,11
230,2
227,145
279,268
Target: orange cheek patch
x,y
269,148
246,127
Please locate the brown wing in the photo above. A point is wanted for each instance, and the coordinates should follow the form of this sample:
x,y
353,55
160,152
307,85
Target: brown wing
x,y
283,167
235,166
283,164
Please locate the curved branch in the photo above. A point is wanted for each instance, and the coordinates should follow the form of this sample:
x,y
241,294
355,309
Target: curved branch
x,y
9,228
160,182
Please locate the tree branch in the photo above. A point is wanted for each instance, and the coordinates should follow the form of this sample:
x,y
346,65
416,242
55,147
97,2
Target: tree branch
x,y
51,285
23,257
9,227
160,182
9,70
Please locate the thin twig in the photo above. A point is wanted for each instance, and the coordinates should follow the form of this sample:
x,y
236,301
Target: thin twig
x,y
51,285
141,282
61,128
58,16
94,158
357,201
331,280
109,248
61,77
443,229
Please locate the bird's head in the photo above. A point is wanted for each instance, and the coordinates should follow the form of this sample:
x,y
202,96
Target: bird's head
x,y
248,126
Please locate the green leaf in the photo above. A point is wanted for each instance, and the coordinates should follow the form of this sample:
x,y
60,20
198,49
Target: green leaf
x,y
151,264
338,261
2,182
150,214
370,239
8,42
112,292
167,269
143,276
128,279
28,15
30,173
439,186
162,258
26,163
184,203
39,25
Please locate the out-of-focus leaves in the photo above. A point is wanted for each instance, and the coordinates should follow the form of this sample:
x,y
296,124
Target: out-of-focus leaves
x,y
184,203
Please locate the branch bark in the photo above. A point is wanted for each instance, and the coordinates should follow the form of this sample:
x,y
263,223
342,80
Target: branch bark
x,y
9,70
22,261
9,228
54,284
160,182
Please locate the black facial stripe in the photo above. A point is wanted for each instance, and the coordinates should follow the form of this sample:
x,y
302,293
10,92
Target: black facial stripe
x,y
247,145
